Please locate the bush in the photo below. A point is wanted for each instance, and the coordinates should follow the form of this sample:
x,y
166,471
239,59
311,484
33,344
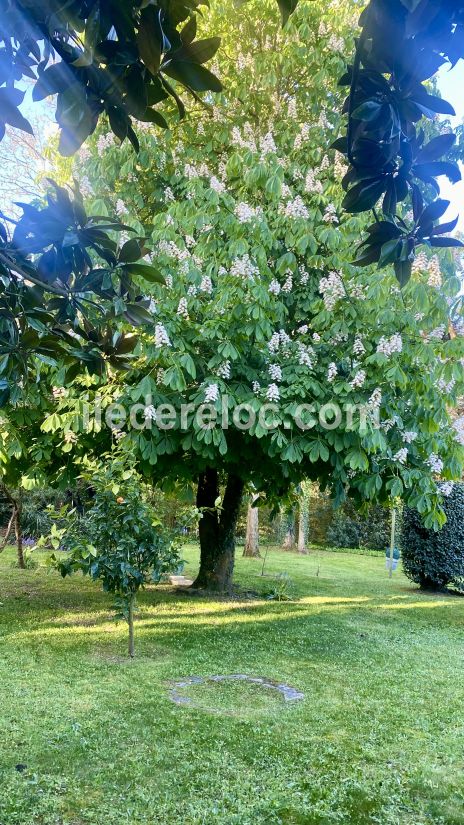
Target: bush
x,y
352,529
344,531
435,560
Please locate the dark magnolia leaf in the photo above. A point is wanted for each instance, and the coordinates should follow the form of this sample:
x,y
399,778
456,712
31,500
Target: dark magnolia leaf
x,y
150,38
119,122
427,179
199,52
364,195
433,212
171,91
149,273
390,252
431,105
403,271
445,242
116,53
341,145
189,32
437,169
445,227
382,231
133,138
136,99
13,117
130,251
92,28
390,201
436,148
153,116
287,7
5,392
138,315
368,111
156,92
370,255
417,202
191,74
57,78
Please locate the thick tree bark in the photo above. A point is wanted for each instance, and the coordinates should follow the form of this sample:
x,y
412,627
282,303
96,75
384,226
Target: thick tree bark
x,y
252,534
289,537
302,526
217,531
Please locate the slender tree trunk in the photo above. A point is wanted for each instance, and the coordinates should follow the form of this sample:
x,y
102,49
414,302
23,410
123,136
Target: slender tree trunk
x,y
289,537
9,528
302,526
16,512
130,621
217,531
252,534
19,534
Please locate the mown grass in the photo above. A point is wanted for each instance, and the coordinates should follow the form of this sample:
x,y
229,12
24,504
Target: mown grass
x,y
379,737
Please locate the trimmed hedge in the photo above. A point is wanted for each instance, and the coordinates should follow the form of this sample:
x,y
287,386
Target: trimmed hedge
x,y
435,560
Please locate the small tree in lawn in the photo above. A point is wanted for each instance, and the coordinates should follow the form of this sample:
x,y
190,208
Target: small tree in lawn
x,y
119,541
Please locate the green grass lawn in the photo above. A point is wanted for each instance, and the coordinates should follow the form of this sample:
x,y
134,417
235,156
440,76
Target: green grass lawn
x,y
379,737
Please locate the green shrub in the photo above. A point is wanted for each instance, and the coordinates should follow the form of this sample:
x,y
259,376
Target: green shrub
x,y
435,560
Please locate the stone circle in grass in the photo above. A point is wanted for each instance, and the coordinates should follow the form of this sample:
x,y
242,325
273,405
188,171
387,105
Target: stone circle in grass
x,y
234,694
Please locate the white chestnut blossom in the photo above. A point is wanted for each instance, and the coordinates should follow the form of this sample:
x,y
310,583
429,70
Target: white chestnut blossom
x,y
358,380
330,214
223,370
244,212
332,290
104,142
206,285
446,488
288,285
121,208
256,386
161,336
217,185
243,267
332,372
376,399
182,308
274,287
272,393
401,456
409,436
305,355
296,209
358,346
275,372
149,413
388,346
212,393
435,463
312,184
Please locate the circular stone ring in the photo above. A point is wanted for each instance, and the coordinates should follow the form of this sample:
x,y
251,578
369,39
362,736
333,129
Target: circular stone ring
x,y
288,693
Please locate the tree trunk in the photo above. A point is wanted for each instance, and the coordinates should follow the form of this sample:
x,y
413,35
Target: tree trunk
x,y
217,531
289,537
302,526
19,534
252,534
130,622
16,511
9,528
